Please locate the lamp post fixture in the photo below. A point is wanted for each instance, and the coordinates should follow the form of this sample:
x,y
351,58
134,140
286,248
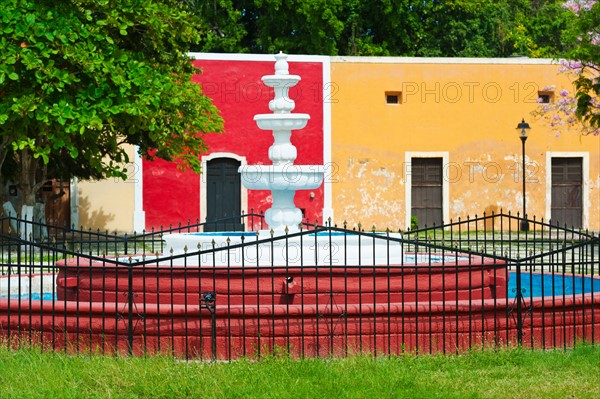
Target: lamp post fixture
x,y
522,129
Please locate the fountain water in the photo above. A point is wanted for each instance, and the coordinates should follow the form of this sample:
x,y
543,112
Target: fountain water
x,y
283,178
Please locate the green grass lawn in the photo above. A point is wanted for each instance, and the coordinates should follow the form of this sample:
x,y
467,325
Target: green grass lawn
x,y
505,373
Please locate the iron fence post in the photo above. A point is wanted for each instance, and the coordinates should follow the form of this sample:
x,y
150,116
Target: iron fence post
x,y
209,299
130,309
519,299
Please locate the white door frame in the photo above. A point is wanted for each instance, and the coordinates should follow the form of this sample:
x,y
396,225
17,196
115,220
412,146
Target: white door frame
x,y
203,189
408,183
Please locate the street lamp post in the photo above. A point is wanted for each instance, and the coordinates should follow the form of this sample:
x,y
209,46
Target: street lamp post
x,y
522,129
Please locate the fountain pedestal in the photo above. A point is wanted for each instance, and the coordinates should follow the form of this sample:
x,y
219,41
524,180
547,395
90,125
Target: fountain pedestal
x,y
282,178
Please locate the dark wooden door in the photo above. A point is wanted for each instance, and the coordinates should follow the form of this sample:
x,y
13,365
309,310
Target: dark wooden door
x,y
57,199
567,205
426,191
223,195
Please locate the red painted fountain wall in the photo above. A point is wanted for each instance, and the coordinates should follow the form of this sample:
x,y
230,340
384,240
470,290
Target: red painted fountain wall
x,y
171,196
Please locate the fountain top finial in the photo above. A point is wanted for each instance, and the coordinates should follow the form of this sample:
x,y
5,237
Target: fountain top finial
x,y
281,65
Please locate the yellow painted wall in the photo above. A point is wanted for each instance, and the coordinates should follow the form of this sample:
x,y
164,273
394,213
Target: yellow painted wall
x,y
467,108
108,204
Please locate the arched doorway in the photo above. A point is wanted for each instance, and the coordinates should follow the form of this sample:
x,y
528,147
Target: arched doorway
x,y
223,195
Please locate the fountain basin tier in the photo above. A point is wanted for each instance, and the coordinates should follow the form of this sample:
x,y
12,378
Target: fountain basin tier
x,y
93,281
315,249
281,80
282,177
281,121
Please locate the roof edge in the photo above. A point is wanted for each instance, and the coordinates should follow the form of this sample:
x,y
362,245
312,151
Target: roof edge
x,y
445,60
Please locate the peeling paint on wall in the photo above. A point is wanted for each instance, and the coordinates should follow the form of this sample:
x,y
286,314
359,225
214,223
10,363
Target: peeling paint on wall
x,y
484,169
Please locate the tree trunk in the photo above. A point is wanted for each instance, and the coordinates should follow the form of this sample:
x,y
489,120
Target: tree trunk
x,y
33,176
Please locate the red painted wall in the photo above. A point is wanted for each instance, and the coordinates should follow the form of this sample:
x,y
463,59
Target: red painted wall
x,y
171,196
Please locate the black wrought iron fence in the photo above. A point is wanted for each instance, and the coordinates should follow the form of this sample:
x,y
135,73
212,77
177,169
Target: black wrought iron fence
x,y
316,291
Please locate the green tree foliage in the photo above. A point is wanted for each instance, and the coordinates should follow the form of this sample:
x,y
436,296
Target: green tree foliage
x,y
295,26
586,55
80,78
581,63
384,27
219,25
444,28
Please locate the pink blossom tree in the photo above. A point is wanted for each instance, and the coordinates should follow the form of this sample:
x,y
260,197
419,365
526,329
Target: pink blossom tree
x,y
582,107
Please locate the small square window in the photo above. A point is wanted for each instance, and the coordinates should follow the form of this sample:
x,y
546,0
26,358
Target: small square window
x,y
393,97
545,97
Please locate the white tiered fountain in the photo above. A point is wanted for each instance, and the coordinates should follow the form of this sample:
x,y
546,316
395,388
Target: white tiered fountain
x,y
283,179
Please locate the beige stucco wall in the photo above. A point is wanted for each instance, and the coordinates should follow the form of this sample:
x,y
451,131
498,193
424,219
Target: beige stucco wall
x,y
108,204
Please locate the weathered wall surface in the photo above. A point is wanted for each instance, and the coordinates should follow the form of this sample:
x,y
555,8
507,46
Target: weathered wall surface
x,y
465,109
108,204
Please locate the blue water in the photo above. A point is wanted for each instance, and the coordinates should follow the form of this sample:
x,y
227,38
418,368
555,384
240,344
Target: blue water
x,y
536,285
253,234
425,259
533,285
228,234
35,296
